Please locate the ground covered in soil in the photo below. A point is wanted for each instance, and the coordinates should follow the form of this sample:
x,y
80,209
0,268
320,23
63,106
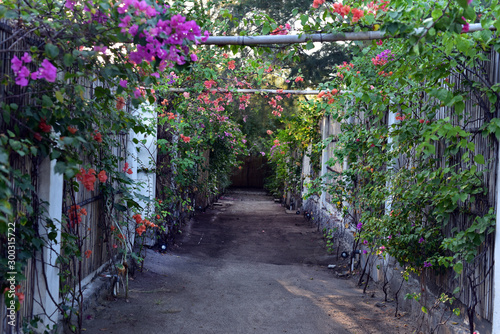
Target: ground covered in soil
x,y
245,266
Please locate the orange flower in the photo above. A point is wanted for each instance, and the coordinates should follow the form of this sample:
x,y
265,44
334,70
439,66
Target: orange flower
x,y
102,176
98,137
72,129
137,217
141,229
120,103
157,216
88,253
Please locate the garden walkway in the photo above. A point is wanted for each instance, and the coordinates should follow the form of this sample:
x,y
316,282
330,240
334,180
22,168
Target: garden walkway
x,y
245,267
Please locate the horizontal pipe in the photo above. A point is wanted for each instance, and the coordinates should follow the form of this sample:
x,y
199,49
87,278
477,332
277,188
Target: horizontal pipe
x,y
304,38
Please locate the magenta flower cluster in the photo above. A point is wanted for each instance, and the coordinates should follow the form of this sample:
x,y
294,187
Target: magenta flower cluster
x,y
46,70
164,41
383,58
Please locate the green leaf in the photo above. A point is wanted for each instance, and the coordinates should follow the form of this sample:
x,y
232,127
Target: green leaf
x,y
424,309
47,101
463,3
304,18
59,96
51,50
436,14
458,267
68,59
456,311
309,45
479,159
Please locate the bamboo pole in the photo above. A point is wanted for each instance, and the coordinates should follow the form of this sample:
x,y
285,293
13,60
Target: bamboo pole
x,y
304,38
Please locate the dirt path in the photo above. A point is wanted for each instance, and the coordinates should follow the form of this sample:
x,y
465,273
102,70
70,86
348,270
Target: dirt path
x,y
245,267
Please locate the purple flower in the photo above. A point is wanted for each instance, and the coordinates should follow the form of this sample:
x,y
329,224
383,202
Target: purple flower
x,y
133,30
465,27
70,4
206,35
23,77
365,242
26,57
194,57
137,93
359,226
100,49
427,264
47,71
421,240
156,75
263,154
125,21
123,83
16,64
365,251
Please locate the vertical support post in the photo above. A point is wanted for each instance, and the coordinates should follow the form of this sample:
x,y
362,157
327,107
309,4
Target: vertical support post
x,y
50,192
496,255
324,158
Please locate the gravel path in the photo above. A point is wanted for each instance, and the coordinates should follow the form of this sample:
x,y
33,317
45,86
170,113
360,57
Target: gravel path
x,y
245,267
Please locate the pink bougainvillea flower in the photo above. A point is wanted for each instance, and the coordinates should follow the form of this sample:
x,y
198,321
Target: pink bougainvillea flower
x,y
101,49
137,93
26,57
205,37
22,77
186,95
133,30
194,57
16,64
465,27
298,79
231,65
70,4
123,83
47,71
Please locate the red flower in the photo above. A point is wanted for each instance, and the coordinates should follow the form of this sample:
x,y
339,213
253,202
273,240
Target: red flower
x,y
317,3
129,171
126,167
37,136
137,217
87,178
88,253
98,137
44,126
141,229
186,139
231,65
72,129
299,79
102,176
